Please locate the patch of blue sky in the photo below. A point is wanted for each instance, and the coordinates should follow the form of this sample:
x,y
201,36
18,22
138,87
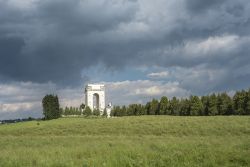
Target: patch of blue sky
x,y
99,73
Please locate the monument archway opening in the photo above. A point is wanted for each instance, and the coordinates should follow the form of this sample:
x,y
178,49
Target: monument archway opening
x,y
96,101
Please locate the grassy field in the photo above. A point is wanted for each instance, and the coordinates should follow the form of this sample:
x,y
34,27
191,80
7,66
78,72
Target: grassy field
x,y
128,141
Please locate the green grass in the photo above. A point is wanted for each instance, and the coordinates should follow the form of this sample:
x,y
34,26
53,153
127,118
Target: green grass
x,y
128,141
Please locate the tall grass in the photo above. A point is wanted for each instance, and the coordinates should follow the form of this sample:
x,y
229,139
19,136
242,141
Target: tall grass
x,y
128,141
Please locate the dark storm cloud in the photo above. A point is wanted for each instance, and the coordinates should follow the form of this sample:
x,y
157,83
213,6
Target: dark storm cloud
x,y
55,40
50,42
12,47
201,6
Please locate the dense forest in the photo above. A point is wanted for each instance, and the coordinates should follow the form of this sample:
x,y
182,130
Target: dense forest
x,y
214,104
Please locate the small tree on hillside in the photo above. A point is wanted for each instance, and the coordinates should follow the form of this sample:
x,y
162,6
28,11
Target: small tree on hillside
x,y
51,107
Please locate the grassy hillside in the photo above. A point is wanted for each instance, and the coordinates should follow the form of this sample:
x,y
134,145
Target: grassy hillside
x,y
128,141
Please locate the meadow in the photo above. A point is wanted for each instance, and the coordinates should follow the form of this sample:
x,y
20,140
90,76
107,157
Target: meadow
x,y
127,141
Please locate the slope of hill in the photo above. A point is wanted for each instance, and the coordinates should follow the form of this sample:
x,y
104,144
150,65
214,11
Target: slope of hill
x,y
128,141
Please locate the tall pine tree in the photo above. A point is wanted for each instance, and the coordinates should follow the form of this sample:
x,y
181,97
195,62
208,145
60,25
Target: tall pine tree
x,y
212,105
196,106
174,106
51,107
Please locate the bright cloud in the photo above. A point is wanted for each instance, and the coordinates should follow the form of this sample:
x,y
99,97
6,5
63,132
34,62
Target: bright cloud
x,y
141,91
158,75
212,45
14,107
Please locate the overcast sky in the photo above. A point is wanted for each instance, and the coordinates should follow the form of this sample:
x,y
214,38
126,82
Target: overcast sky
x,y
141,49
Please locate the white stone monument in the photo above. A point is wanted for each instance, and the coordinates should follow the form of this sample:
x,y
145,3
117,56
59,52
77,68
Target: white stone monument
x,y
95,96
109,109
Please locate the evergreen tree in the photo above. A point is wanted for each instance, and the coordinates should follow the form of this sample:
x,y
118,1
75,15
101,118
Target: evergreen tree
x,y
174,106
154,107
205,103
219,102
87,111
212,107
225,105
137,109
184,107
164,106
196,106
239,102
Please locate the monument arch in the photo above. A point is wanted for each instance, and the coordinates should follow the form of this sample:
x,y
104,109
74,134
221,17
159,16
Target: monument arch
x,y
95,96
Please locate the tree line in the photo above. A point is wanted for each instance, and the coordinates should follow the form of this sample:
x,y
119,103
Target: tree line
x,y
52,110
214,104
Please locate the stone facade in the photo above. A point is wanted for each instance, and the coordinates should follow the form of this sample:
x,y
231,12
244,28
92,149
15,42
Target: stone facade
x,y
95,96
